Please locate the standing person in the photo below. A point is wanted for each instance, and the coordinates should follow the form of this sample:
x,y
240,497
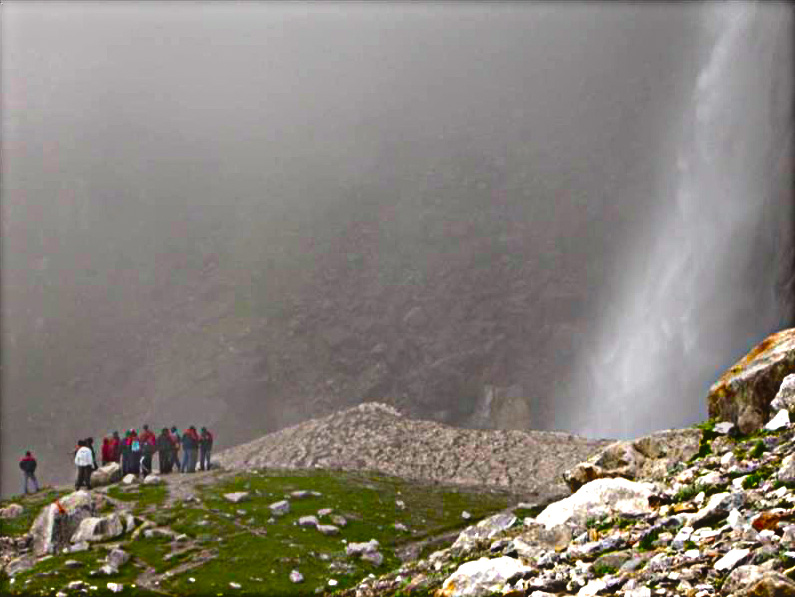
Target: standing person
x,y
85,464
126,453
205,447
164,446
190,443
89,443
28,466
115,447
147,450
175,445
135,453
107,451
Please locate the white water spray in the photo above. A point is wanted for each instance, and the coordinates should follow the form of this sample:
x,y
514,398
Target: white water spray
x,y
705,280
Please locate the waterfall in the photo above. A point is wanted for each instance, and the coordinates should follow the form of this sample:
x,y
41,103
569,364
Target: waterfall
x,y
706,278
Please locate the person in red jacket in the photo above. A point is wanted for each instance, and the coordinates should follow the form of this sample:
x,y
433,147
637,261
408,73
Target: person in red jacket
x,y
107,451
115,447
28,466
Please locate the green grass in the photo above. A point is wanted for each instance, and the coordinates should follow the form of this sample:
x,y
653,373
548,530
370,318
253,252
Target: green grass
x,y
367,501
142,496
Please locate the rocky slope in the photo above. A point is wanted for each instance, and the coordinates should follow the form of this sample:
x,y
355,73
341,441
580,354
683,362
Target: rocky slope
x,y
374,436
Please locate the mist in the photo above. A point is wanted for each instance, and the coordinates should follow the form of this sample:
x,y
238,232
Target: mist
x,y
247,214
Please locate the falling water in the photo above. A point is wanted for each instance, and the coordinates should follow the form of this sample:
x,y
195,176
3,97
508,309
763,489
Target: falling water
x,y
707,276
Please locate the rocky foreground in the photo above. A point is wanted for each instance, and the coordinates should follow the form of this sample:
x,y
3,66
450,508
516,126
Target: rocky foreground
x,y
375,437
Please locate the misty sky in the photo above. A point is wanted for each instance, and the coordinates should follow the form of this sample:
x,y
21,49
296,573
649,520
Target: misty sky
x,y
138,135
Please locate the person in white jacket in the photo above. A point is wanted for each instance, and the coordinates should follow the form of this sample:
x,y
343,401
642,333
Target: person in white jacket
x,y
85,464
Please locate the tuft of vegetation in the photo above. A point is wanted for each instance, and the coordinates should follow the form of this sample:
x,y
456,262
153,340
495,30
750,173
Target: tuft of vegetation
x,y
603,569
758,449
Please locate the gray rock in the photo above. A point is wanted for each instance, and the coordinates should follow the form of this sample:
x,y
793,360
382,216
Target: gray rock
x,y
743,394
153,479
117,558
731,559
599,498
725,428
308,521
484,530
237,497
780,421
374,557
785,397
483,577
324,511
328,529
280,508
296,577
717,508
786,471
80,546
98,529
20,564
73,564
613,560
52,530
357,549
129,479
76,585
338,520
106,475
11,511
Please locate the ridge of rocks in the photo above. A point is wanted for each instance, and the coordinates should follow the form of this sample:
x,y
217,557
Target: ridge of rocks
x,y
376,437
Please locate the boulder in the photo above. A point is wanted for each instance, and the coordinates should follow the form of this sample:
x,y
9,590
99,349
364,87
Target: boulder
x,y
744,393
780,421
20,564
358,549
482,577
473,536
599,498
785,397
731,559
106,475
786,471
11,511
55,525
645,458
98,529
770,584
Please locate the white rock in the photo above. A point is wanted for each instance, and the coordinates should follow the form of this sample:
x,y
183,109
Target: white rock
x,y
735,519
692,554
682,537
296,576
11,511
399,526
592,588
234,585
237,497
153,480
711,479
325,512
308,521
358,549
332,582
724,427
728,460
400,504
328,529
786,471
731,559
466,515
785,397
374,557
129,479
482,577
280,508
115,587
98,529
639,592
599,498
780,421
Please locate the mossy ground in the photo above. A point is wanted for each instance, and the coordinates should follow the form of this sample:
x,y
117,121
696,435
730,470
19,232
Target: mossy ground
x,y
243,543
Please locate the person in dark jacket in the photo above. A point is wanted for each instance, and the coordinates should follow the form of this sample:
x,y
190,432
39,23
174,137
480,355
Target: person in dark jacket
x,y
115,447
176,443
148,441
190,443
205,448
28,466
164,448
135,453
89,443
107,451
126,453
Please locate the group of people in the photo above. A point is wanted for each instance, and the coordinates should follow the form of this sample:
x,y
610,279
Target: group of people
x,y
134,453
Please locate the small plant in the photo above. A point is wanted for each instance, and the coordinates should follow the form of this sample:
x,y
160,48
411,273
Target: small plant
x,y
646,542
758,449
602,569
753,480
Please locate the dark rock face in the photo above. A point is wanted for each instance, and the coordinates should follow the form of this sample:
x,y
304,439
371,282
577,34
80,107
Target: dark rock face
x,y
744,393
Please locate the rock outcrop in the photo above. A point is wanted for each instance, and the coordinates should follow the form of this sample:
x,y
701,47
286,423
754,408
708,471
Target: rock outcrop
x,y
744,393
646,458
55,525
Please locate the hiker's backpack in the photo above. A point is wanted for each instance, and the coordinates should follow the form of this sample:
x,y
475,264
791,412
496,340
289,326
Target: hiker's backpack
x,y
136,446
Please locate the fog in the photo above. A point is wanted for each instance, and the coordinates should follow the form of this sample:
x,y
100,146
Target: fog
x,y
176,175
